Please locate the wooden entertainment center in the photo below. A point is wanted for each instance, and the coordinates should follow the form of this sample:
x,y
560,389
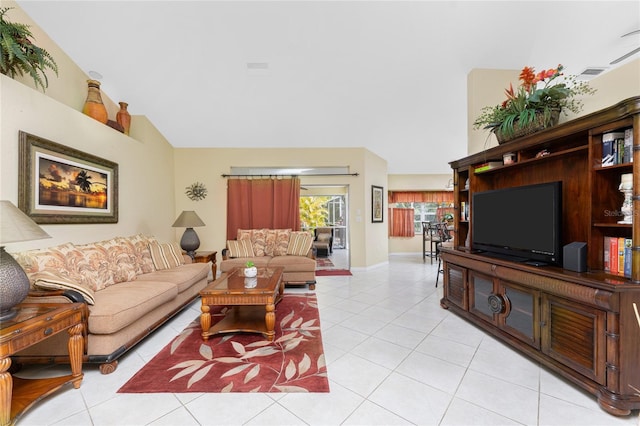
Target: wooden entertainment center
x,y
584,326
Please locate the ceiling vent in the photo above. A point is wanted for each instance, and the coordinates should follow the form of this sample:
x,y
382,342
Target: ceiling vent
x,y
591,72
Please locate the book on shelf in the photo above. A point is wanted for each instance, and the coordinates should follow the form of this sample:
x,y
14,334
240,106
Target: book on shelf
x,y
464,211
487,166
617,255
613,148
628,146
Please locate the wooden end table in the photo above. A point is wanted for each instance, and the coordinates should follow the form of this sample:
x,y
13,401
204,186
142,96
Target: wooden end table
x,y
253,308
34,323
206,257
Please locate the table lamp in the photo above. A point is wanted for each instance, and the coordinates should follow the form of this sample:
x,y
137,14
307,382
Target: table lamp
x,y
15,226
190,241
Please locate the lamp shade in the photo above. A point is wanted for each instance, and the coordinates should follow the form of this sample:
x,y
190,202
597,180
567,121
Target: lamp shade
x,y
15,226
188,219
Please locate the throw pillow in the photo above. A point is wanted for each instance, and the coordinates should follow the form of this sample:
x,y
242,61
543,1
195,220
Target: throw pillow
x,y
60,260
50,281
240,248
259,241
96,269
299,243
277,242
140,244
166,255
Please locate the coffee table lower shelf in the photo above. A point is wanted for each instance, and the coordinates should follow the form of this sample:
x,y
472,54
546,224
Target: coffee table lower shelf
x,y
248,319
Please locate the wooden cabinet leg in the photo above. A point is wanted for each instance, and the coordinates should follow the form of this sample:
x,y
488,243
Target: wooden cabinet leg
x,y
6,386
76,347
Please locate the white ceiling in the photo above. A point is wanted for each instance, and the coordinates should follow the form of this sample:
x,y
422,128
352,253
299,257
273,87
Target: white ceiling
x,y
386,75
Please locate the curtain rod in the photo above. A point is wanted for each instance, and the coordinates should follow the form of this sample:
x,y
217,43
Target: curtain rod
x,y
310,174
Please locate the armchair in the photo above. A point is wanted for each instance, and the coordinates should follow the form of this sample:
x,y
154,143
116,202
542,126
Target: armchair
x,y
323,241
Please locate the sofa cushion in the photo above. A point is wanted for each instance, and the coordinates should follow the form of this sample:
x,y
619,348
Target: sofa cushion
x,y
323,237
299,243
166,255
48,280
122,304
294,263
183,276
240,248
240,262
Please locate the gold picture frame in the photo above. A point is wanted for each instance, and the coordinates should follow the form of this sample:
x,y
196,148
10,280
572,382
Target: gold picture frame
x,y
58,184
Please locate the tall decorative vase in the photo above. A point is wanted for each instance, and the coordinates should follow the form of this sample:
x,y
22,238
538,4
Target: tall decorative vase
x,y
123,117
93,106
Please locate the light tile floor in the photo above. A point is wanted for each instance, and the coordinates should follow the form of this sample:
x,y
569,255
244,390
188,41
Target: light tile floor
x,y
394,358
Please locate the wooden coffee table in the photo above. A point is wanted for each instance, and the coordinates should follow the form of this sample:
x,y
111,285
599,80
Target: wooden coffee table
x,y
253,307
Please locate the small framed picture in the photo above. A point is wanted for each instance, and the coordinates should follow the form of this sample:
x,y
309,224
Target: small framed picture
x,y
59,184
377,204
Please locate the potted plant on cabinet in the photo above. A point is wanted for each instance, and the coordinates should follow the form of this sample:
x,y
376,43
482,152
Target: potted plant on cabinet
x,y
19,56
535,105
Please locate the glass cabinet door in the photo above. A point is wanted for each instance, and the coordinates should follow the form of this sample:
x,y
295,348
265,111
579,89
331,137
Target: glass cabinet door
x,y
480,294
521,315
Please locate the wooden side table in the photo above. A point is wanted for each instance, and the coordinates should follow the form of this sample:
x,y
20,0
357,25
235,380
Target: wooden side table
x,y
205,257
34,323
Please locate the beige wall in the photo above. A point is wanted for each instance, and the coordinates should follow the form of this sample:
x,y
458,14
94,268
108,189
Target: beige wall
x,y
146,195
486,87
207,165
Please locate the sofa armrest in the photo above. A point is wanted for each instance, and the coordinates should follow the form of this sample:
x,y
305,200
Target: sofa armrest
x,y
44,296
225,253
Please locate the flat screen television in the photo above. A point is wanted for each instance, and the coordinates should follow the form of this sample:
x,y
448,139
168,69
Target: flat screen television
x,y
522,223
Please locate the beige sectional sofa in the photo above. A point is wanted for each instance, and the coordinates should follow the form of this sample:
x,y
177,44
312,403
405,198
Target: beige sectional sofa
x,y
273,247
132,286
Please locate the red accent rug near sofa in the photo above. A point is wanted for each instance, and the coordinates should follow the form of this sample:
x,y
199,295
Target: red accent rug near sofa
x,y
325,267
243,362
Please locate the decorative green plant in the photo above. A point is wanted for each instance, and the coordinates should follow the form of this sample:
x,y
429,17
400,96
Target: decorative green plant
x,y
19,56
249,264
313,212
538,95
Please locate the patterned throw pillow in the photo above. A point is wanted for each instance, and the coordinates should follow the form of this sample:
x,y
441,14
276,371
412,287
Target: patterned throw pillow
x,y
61,260
96,269
240,248
299,243
166,255
277,242
258,239
140,244
50,281
121,259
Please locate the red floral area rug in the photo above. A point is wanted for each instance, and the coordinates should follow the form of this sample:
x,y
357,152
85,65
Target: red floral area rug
x,y
242,362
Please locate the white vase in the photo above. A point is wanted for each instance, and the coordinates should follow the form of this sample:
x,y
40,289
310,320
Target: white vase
x,y
250,272
250,282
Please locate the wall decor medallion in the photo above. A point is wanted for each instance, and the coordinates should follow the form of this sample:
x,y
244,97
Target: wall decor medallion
x,y
59,184
196,191
377,203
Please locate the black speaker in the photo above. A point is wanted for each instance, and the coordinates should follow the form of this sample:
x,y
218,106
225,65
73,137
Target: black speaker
x,y
574,257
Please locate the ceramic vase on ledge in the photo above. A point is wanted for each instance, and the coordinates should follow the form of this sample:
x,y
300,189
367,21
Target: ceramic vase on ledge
x,y
123,117
93,106
250,272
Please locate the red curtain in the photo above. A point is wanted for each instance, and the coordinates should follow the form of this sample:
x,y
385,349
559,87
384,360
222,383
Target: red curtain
x,y
439,197
262,203
401,223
